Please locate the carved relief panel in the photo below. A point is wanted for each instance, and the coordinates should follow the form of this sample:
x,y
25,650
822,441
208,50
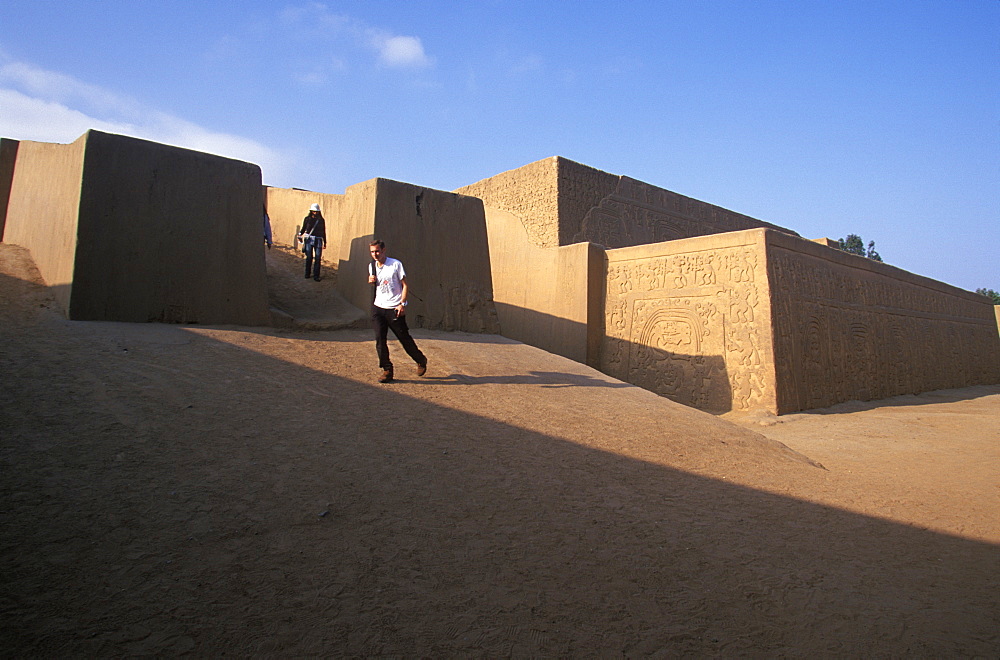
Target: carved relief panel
x,y
686,326
844,334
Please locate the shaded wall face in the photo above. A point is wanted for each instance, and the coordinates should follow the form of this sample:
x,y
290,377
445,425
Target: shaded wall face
x,y
562,202
441,239
690,320
168,234
849,329
8,155
357,221
630,212
43,210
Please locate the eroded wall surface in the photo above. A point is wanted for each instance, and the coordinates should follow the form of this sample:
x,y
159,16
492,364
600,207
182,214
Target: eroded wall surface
x,y
631,212
690,320
44,208
531,193
562,202
848,328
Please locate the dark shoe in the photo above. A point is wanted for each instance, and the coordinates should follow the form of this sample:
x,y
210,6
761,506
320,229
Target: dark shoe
x,y
316,278
307,276
386,376
421,369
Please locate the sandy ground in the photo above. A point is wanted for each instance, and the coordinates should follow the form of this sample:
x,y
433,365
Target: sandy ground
x,y
171,490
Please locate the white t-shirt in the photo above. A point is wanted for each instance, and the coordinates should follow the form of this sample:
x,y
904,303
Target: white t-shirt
x,y
389,285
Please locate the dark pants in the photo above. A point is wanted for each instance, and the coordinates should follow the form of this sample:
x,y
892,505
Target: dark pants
x,y
385,319
314,250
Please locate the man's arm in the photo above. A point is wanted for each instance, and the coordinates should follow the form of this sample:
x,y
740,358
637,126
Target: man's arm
x,y
401,308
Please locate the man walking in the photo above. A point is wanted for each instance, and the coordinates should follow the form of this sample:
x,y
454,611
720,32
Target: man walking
x,y
389,310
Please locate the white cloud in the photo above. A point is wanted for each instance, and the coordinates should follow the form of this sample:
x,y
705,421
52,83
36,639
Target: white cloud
x,y
46,106
314,18
328,31
396,51
25,118
61,88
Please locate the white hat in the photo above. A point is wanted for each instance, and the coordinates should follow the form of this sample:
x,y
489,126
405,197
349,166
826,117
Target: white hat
x,y
314,207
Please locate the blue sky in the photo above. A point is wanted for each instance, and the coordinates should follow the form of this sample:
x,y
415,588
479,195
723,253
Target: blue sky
x,y
828,117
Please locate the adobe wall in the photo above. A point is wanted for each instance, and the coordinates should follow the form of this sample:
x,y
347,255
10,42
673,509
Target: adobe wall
x,y
563,202
545,297
128,230
44,207
357,228
531,193
168,234
288,207
690,320
849,328
441,239
8,154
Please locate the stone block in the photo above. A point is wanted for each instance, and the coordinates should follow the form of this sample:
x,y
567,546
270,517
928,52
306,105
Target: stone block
x,y
128,230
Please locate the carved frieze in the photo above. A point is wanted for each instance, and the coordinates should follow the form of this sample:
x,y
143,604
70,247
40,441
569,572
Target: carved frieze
x,y
842,334
685,326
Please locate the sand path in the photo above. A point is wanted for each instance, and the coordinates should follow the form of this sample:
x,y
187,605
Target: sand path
x,y
245,491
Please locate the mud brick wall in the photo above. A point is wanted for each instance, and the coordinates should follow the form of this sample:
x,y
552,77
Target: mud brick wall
x,y
441,239
546,297
124,229
562,202
43,209
8,154
848,328
531,193
631,212
690,320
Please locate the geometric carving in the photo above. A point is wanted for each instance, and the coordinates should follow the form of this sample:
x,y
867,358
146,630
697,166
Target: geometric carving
x,y
844,333
712,316
683,325
675,330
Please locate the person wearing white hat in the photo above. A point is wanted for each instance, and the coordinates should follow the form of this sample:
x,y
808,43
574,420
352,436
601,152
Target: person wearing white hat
x,y
313,236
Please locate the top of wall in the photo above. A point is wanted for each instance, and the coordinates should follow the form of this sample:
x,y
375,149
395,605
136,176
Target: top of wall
x,y
861,265
562,202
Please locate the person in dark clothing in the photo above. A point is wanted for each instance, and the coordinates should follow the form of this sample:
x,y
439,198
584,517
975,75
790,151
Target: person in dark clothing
x,y
313,235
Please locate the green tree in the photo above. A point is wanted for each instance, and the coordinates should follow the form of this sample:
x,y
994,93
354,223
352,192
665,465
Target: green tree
x,y
855,245
990,293
872,254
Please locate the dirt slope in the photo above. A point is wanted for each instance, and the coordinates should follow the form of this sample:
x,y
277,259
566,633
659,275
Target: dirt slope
x,y
301,303
239,491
